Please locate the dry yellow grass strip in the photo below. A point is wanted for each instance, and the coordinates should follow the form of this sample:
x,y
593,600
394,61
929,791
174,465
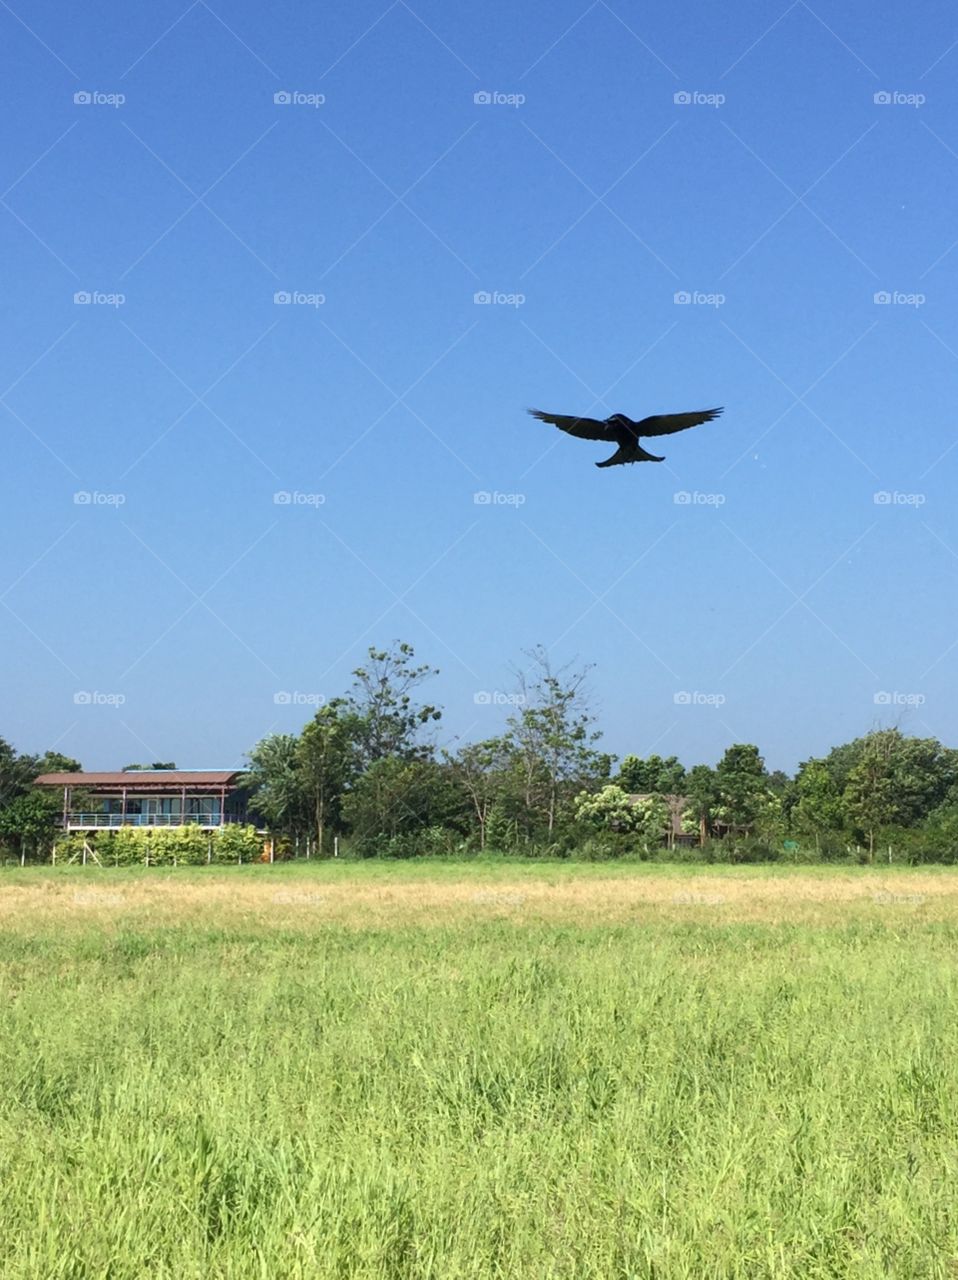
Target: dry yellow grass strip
x,y
313,900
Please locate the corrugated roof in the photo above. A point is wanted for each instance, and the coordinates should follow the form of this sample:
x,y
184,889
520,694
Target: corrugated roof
x,y
143,779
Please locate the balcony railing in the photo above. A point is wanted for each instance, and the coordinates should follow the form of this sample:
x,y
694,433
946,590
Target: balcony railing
x,y
95,821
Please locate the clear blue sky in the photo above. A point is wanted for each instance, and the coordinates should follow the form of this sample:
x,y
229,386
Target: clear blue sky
x,y
585,189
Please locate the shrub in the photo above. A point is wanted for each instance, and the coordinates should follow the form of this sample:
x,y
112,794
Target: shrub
x,y
236,843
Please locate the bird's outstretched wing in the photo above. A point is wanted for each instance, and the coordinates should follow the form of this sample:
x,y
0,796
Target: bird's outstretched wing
x,y
584,428
665,424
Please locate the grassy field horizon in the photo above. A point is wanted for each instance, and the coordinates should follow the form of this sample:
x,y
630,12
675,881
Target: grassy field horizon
x,y
495,1069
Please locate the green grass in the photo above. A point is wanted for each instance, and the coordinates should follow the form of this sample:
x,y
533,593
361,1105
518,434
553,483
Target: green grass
x,y
262,1097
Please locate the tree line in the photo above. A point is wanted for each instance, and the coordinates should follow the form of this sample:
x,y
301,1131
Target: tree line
x,y
365,777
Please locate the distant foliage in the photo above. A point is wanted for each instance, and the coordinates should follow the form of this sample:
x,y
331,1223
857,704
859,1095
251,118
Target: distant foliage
x,y
364,778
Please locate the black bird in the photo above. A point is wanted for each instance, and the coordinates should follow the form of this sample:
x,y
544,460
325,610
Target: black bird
x,y
624,432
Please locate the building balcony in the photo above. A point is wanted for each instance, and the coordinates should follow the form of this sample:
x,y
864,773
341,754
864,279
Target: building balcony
x,y
115,821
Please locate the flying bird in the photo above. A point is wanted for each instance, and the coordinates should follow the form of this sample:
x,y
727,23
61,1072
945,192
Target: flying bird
x,y
624,432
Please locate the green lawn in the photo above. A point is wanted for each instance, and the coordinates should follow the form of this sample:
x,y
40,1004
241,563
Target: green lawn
x,y
219,1073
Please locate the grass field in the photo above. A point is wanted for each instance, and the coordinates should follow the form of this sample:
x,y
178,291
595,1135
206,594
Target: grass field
x,y
495,1070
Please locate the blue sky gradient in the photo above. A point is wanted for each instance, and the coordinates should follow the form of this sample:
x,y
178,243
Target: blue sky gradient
x,y
801,595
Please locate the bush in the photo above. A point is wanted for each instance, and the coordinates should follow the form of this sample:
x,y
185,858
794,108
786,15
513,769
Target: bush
x,y
750,849
236,843
435,842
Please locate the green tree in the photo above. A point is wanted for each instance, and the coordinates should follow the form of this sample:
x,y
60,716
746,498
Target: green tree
x,y
551,739
701,791
54,762
276,783
653,776
742,792
888,779
28,822
611,809
326,763
17,772
389,720
395,800
871,798
817,809
480,769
